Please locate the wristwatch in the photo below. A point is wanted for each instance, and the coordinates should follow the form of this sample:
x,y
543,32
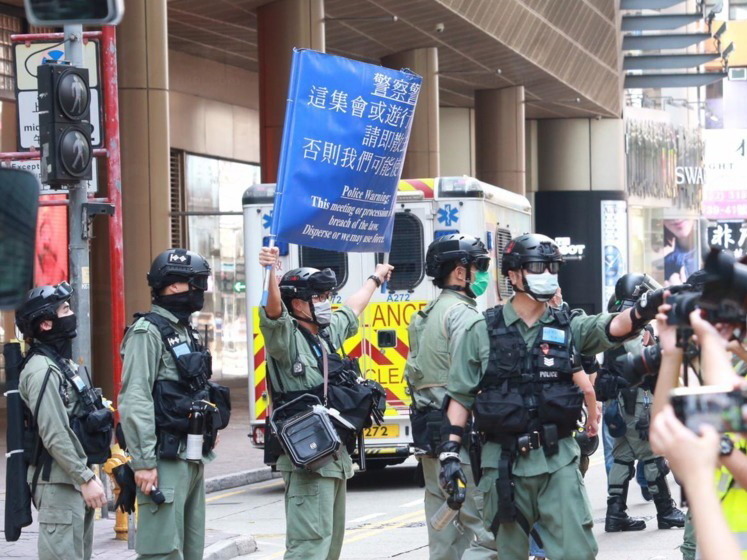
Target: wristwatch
x,y
376,279
726,446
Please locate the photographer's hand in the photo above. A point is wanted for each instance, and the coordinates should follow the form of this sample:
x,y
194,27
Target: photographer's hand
x,y
715,361
693,459
671,360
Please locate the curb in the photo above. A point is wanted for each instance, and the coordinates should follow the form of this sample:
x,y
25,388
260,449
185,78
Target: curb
x,y
241,478
230,548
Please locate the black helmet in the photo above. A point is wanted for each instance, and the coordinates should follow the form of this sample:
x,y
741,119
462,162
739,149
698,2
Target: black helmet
x,y
41,304
178,265
302,283
629,288
588,444
530,247
454,249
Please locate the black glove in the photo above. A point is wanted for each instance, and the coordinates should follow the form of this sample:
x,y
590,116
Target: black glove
x,y
125,478
608,386
646,307
451,474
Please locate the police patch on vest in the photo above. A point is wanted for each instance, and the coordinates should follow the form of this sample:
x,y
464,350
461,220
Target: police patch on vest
x,y
553,335
548,374
549,362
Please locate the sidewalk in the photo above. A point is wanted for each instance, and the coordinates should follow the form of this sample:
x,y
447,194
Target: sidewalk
x,y
237,463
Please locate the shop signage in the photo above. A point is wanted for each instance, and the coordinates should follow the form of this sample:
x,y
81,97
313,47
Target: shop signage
x,y
346,131
732,236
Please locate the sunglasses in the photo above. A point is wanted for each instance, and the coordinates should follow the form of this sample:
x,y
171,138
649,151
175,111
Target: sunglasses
x,y
539,267
482,263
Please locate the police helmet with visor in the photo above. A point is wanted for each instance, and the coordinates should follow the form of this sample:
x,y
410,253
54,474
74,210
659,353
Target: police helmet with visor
x,y
41,304
178,265
533,252
449,251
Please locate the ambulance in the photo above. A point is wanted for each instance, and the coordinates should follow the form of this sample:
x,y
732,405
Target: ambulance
x,y
425,210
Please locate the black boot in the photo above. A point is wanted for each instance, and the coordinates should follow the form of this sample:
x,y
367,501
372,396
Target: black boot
x,y
618,520
667,513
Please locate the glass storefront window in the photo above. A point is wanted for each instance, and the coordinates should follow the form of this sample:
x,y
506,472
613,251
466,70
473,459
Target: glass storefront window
x,y
663,244
215,230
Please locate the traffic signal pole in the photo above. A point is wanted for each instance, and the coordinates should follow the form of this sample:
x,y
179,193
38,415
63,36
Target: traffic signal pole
x,y
80,271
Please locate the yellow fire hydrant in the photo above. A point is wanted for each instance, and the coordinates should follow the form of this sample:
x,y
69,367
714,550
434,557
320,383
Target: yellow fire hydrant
x,y
117,459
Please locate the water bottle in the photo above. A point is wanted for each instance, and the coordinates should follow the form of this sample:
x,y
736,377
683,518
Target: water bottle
x,y
196,433
449,510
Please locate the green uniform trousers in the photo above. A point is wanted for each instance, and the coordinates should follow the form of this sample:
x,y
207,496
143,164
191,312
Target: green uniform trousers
x,y
175,530
314,516
471,541
628,449
65,523
688,547
558,501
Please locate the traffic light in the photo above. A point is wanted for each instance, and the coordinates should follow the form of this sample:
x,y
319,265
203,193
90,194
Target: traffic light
x,y
64,124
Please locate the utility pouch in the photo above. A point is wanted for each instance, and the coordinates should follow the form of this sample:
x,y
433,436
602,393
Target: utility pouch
x,y
168,445
172,405
94,431
550,440
500,412
426,429
272,450
308,437
220,396
475,455
561,404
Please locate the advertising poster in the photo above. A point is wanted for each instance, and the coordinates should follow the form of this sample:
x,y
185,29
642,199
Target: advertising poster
x,y
51,263
680,249
731,236
614,245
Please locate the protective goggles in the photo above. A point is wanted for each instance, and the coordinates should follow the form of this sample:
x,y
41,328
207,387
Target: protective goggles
x,y
63,290
199,282
482,263
538,267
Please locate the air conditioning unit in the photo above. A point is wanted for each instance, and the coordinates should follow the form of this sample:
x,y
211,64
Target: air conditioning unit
x,y
737,74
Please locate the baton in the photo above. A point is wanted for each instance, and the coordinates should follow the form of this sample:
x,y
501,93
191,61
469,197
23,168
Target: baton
x,y
266,277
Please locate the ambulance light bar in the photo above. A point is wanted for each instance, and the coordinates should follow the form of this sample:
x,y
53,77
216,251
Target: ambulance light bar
x,y
409,196
460,187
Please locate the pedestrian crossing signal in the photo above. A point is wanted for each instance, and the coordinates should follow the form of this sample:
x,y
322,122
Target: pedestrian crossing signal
x,y
64,124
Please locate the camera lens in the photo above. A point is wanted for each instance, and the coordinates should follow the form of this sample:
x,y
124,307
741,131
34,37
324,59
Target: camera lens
x,y
636,366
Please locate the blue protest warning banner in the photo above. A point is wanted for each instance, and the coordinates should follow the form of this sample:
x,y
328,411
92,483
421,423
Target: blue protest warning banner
x,y
346,130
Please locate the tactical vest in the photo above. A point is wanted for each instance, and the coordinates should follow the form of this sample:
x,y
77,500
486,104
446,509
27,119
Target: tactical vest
x,y
428,359
524,389
173,400
93,425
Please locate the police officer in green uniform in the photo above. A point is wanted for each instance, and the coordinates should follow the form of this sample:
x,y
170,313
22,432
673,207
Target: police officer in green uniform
x,y
634,405
297,309
459,266
513,368
66,491
164,384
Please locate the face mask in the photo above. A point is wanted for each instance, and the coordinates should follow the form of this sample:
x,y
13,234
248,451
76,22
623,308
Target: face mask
x,y
541,287
480,283
323,313
61,335
183,304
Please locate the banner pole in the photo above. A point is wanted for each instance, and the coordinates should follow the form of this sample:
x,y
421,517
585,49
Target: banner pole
x,y
266,277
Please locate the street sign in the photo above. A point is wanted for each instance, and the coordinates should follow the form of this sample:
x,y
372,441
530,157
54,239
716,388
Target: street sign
x,y
239,287
28,56
34,166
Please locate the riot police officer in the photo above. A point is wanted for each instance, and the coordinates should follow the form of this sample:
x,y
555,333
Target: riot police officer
x,y
632,442
513,368
166,398
299,328
64,488
459,266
